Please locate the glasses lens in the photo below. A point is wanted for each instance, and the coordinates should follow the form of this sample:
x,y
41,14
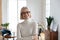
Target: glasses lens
x,y
28,12
25,12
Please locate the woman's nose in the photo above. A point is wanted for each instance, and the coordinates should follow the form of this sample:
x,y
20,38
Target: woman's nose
x,y
26,14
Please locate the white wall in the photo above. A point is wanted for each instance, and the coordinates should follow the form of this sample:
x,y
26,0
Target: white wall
x,y
4,11
37,8
55,12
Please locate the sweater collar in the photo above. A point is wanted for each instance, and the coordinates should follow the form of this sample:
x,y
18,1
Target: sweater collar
x,y
27,20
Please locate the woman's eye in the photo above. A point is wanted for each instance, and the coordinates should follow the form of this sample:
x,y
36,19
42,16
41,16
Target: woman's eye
x,y
25,12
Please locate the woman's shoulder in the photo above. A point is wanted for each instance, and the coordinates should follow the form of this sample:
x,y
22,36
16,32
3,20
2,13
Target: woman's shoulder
x,y
33,21
19,23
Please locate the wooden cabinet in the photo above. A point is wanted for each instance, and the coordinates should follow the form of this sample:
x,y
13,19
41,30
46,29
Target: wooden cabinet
x,y
51,35
54,35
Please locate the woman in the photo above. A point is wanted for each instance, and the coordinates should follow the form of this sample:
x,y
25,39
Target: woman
x,y
28,29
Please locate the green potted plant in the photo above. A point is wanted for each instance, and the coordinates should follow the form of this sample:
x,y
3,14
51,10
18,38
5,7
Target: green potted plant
x,y
5,25
49,21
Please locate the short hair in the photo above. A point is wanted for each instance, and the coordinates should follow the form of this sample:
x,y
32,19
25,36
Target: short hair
x,y
23,8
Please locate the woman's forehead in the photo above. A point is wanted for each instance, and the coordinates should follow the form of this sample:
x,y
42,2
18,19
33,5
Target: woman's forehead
x,y
24,10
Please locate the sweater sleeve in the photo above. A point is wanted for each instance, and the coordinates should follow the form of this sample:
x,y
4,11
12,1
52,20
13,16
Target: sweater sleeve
x,y
35,29
19,32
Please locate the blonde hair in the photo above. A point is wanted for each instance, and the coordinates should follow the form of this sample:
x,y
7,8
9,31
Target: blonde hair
x,y
23,8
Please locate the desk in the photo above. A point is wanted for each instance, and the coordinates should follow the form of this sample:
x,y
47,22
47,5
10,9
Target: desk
x,y
7,37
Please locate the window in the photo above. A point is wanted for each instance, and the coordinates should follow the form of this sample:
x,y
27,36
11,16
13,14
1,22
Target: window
x,y
14,7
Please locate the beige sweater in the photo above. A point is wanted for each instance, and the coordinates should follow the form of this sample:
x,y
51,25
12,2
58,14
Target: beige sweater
x,y
26,30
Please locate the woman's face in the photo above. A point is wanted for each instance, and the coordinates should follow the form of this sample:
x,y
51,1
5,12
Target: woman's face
x,y
25,14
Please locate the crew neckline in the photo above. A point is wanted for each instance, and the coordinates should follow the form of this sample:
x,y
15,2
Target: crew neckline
x,y
27,20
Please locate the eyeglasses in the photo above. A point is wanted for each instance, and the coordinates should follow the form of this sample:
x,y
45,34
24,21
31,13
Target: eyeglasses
x,y
25,12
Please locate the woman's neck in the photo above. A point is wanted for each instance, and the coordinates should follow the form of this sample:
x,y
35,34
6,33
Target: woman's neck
x,y
27,19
